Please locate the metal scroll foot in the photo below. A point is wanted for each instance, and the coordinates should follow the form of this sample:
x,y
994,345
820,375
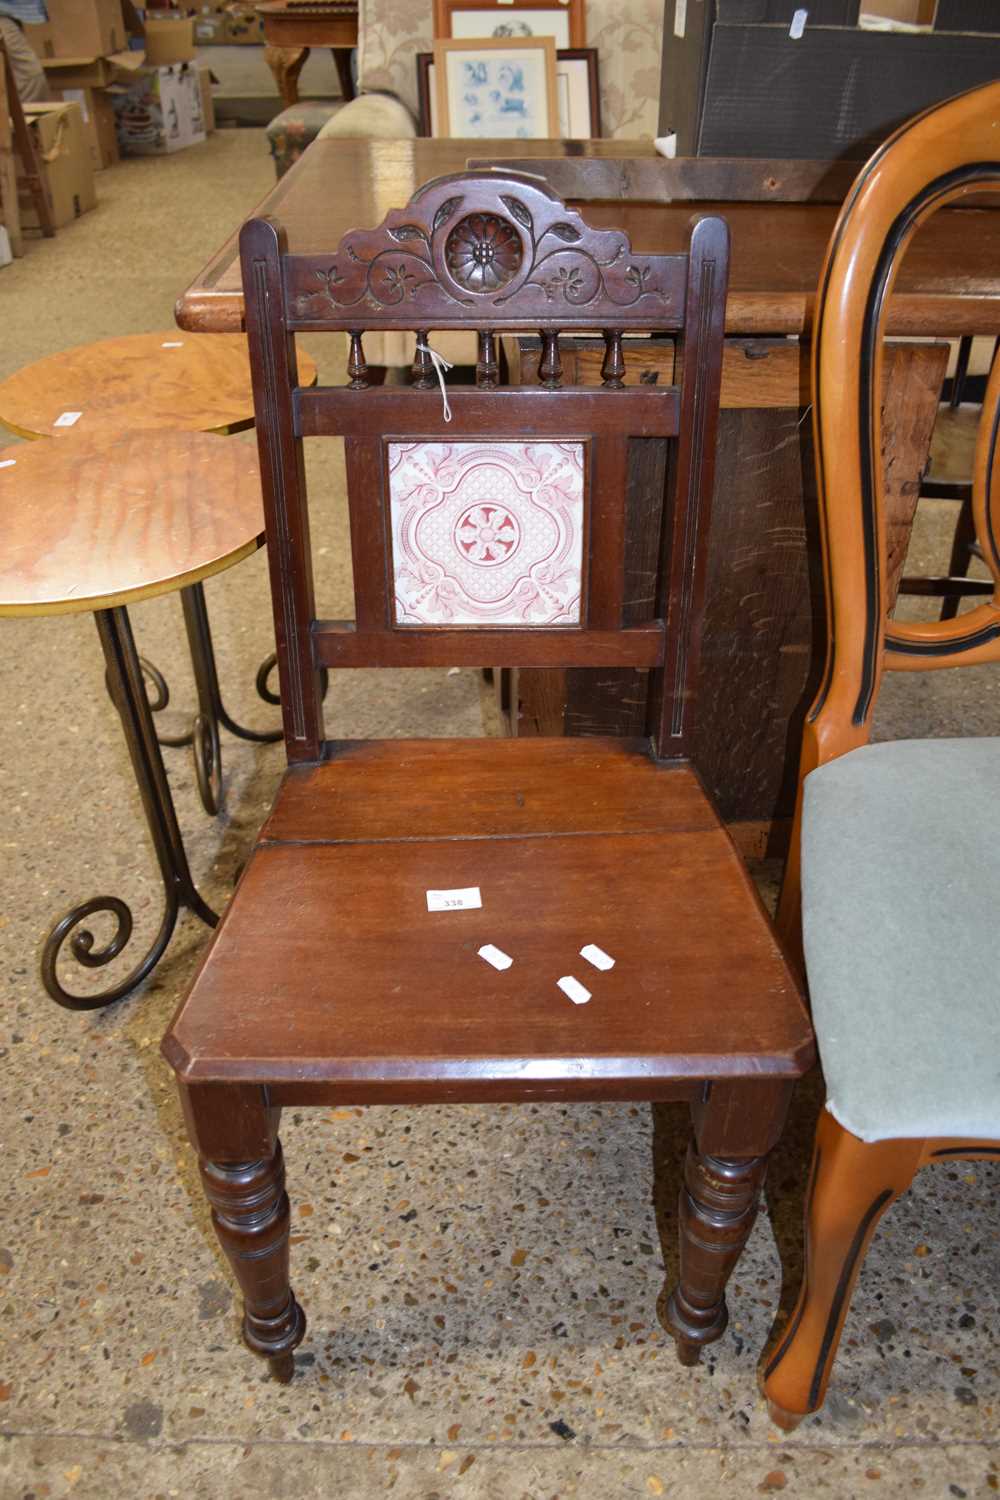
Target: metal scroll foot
x,y
211,709
125,679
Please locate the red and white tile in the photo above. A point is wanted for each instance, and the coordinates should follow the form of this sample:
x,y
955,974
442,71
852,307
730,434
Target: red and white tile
x,y
487,533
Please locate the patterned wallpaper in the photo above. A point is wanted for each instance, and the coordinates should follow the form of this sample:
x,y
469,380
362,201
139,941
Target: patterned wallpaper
x,y
627,34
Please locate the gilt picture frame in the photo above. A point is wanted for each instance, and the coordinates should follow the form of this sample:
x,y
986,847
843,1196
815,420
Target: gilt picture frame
x,y
563,20
496,87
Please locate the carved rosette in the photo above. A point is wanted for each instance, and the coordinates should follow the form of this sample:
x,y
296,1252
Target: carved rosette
x,y
483,252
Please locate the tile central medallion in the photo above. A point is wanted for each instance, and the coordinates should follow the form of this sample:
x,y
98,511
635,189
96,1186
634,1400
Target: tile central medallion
x,y
487,533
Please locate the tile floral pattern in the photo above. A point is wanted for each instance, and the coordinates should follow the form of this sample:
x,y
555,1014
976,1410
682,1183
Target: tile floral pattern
x,y
487,533
628,35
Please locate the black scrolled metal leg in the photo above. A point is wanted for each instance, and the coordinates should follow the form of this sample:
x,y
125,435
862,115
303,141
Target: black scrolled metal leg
x,y
211,709
269,665
125,678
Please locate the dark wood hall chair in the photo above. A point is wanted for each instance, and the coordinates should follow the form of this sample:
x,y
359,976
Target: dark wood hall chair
x,y
896,844
489,527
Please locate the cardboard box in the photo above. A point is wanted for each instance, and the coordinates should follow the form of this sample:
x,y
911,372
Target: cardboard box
x,y
91,72
161,111
206,78
210,27
98,111
168,40
244,27
63,151
910,12
80,28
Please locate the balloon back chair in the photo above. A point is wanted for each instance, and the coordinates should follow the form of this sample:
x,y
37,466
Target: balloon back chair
x,y
478,920
898,844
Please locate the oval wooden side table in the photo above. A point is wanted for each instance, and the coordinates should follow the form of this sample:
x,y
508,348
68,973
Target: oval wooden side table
x,y
95,524
155,381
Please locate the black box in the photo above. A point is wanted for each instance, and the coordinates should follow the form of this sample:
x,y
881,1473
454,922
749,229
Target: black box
x,y
736,81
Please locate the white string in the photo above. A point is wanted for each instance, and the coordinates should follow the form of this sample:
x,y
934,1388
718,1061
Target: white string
x,y
440,365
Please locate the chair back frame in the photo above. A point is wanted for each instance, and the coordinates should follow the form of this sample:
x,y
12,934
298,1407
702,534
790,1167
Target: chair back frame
x,y
488,252
949,152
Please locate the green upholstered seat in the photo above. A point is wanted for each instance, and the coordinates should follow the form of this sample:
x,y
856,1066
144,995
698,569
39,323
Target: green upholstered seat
x,y
901,921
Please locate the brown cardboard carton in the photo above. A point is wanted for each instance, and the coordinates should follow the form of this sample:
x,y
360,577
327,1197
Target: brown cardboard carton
x,y
80,28
98,113
210,26
243,26
91,72
206,78
168,40
62,149
912,12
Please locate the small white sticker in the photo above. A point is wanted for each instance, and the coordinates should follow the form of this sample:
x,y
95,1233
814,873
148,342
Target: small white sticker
x,y
597,956
173,344
461,900
680,17
798,25
574,989
67,419
495,956
7,463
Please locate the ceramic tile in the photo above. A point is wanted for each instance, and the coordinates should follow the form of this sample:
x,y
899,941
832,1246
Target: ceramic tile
x,y
487,533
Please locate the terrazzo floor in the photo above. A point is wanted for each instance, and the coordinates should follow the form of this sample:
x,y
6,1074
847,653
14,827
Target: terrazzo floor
x,y
482,1283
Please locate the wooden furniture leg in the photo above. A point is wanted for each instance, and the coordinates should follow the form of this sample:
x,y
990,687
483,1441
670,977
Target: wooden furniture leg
x,y
286,63
9,209
736,1126
342,62
853,1183
717,1209
243,1174
30,171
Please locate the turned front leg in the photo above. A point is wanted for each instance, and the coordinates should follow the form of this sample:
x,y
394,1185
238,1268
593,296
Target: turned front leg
x,y
718,1206
251,1219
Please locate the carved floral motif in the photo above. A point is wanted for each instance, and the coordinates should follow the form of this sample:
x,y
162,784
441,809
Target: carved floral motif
x,y
468,259
483,252
487,533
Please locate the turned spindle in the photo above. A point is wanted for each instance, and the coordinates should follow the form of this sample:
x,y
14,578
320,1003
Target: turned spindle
x,y
613,368
550,365
357,365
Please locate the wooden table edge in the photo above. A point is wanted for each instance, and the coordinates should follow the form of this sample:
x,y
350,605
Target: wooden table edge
x,y
141,591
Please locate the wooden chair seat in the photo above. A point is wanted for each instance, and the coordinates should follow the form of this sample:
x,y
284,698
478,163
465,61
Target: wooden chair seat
x,y
328,966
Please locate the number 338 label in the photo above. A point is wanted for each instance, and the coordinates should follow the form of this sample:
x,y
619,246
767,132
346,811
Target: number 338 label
x,y
458,900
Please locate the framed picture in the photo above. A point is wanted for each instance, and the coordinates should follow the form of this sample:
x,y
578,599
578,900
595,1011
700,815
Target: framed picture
x,y
562,20
578,94
489,86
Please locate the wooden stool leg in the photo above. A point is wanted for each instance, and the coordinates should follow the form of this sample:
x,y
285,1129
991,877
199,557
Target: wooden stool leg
x,y
286,64
342,62
251,1219
853,1184
718,1206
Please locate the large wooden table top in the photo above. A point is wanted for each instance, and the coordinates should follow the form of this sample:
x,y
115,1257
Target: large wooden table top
x,y
949,283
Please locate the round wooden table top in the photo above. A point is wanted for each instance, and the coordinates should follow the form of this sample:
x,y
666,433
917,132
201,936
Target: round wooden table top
x,y
182,381
91,523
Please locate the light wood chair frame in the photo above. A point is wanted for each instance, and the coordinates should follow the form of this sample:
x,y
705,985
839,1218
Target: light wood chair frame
x,y
947,154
